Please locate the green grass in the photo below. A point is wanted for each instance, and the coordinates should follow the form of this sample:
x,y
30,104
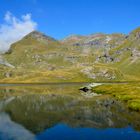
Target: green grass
x,y
129,93
40,61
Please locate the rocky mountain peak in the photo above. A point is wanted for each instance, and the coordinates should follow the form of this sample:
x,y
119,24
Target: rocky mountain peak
x,y
39,36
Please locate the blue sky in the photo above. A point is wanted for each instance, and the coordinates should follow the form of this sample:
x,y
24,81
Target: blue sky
x,y
60,18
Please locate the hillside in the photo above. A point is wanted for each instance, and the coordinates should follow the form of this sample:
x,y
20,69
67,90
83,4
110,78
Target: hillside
x,y
96,57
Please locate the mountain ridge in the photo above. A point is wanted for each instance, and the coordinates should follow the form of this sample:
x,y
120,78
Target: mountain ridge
x,y
97,57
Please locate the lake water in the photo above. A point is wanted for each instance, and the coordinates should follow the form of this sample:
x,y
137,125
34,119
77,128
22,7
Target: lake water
x,y
62,112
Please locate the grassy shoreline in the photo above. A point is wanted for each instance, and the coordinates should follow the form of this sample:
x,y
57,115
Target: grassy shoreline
x,y
68,82
128,93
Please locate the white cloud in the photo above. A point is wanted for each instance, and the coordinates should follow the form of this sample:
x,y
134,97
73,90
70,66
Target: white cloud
x,y
14,29
7,16
11,130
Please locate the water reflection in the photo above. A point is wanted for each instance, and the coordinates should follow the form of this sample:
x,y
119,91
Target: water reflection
x,y
37,112
11,130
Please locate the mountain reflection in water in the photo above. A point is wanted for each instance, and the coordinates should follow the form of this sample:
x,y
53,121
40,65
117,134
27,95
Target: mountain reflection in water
x,y
62,112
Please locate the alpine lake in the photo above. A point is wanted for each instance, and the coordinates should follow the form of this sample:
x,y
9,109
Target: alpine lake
x,y
63,112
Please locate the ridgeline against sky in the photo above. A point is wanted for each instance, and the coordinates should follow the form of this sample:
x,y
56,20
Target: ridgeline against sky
x,y
59,18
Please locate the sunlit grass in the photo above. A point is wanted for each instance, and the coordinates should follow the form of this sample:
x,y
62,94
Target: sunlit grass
x,y
129,93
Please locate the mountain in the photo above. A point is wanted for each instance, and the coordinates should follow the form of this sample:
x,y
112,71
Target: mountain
x,y
96,57
95,40
128,55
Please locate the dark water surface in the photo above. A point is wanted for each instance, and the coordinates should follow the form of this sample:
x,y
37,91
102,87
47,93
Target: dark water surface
x,y
62,112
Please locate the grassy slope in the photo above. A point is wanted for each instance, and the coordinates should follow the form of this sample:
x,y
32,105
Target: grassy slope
x,y
52,61
129,93
128,65
49,66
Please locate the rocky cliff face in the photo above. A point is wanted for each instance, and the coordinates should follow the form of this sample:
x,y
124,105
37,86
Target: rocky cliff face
x,y
96,57
95,40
